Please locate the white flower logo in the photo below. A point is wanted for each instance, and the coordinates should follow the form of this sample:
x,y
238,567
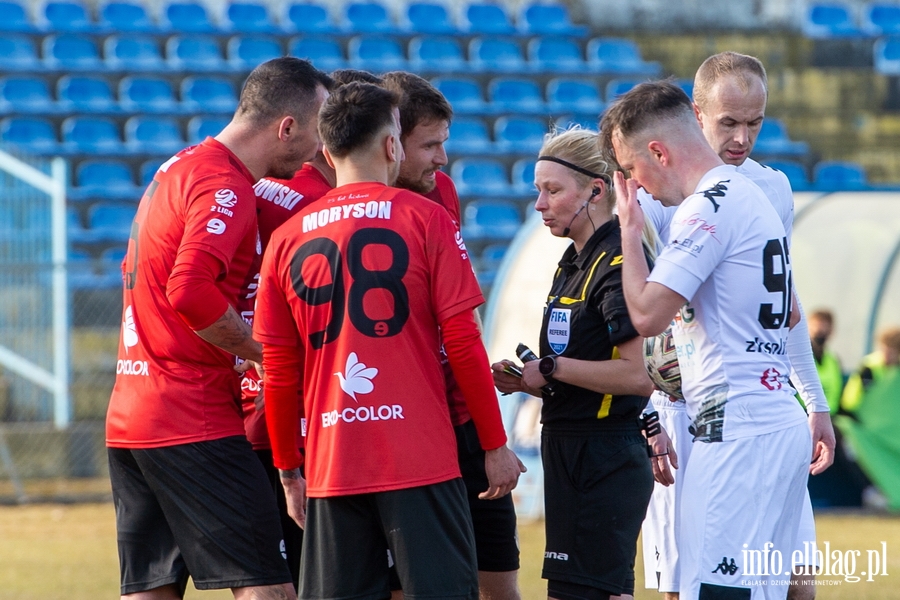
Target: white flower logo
x,y
356,379
129,330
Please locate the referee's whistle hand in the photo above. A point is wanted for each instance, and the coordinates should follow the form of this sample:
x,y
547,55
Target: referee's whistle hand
x,y
503,468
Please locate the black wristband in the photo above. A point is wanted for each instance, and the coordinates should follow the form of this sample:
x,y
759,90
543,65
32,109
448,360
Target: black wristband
x,y
650,423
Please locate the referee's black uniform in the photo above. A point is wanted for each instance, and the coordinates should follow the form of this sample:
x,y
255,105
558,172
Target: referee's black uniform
x,y
597,474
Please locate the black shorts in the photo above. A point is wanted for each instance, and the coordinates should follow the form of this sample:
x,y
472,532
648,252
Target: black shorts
x,y
293,535
425,530
596,490
494,521
203,510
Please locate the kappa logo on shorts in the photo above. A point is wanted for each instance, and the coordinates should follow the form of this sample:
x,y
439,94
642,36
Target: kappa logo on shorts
x,y
226,198
356,378
725,567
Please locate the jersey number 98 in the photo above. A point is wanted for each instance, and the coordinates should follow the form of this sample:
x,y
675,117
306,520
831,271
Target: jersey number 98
x,y
777,280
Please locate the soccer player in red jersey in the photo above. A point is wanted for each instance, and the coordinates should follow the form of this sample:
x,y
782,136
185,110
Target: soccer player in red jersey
x,y
352,292
191,498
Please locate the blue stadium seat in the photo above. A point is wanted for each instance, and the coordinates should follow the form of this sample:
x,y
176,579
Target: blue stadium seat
x,y
589,122
307,17
687,86
201,127
77,233
428,18
19,53
91,135
619,56
490,220
111,221
368,17
29,134
375,53
836,176
887,55
556,55
123,16
492,255
109,179
480,177
248,17
796,173
573,95
248,52
208,94
195,53
523,176
132,53
832,20
14,18
71,52
187,17
25,94
431,53
322,51
148,170
548,18
85,94
496,54
519,134
617,87
882,19
462,93
468,135
114,255
773,139
487,19
147,94
67,15
153,135
509,94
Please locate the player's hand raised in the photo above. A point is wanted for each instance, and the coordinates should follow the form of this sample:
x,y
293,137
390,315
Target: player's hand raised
x,y
503,468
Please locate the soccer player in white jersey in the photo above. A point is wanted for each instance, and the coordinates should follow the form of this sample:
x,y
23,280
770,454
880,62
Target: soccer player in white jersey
x,y
725,276
730,93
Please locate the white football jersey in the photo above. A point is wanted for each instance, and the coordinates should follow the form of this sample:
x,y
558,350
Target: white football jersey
x,y
727,254
776,187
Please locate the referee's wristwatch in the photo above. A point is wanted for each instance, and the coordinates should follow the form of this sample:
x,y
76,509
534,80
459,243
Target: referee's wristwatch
x,y
547,367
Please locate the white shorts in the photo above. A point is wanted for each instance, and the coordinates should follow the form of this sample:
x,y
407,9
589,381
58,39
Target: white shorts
x,y
806,534
658,533
741,503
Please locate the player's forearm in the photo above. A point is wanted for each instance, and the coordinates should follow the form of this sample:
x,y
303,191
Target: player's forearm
x,y
233,334
804,374
620,376
282,367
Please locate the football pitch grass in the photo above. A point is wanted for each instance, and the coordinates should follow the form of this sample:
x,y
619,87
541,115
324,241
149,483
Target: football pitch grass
x,y
56,552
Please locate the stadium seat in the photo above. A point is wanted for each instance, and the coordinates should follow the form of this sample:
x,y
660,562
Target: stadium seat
x,y
85,94
153,135
462,93
308,17
480,177
114,255
492,255
431,53
887,55
68,15
619,56
881,19
495,54
773,139
187,17
19,53
109,179
324,52
208,94
832,20
519,134
248,52
468,135
375,53
555,55
91,135
508,94
77,233
367,17
836,176
25,94
14,18
71,52
548,18
573,95
248,17
201,127
490,220
111,221
796,173
617,87
125,17
132,53
148,170
428,18
147,94
486,19
194,53
523,177
29,134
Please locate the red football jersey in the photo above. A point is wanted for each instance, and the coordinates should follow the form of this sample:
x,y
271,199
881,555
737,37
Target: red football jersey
x,y
360,281
171,386
277,200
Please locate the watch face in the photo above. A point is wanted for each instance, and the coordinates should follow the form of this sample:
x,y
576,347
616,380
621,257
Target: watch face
x,y
547,366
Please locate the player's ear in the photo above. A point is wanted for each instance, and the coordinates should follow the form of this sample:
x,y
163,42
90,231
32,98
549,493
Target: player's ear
x,y
286,128
390,147
658,152
327,156
698,114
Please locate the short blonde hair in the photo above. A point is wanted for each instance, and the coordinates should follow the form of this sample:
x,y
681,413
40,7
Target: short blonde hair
x,y
578,146
724,64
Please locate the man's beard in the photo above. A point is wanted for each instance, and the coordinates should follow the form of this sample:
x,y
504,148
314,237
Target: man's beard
x,y
418,186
